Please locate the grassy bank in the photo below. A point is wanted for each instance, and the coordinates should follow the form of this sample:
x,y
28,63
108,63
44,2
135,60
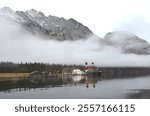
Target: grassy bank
x,y
14,75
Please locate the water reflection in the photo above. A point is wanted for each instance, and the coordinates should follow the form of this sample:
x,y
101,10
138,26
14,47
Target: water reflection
x,y
32,83
76,86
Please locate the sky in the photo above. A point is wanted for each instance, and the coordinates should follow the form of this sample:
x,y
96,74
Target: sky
x,y
101,16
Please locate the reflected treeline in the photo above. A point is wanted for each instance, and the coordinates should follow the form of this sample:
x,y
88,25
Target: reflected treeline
x,y
43,83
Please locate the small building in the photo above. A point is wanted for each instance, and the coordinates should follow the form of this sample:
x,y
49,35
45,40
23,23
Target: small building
x,y
92,70
77,72
40,74
34,73
89,67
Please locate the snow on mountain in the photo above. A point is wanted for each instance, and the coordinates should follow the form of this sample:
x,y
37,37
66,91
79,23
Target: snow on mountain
x,y
49,26
9,13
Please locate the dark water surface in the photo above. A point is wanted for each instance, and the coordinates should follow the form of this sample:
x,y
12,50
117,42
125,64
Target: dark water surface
x,y
81,87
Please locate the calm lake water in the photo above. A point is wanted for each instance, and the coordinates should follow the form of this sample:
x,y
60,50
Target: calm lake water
x,y
76,87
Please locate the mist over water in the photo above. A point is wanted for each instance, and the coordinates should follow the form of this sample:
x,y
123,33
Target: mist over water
x,y
18,45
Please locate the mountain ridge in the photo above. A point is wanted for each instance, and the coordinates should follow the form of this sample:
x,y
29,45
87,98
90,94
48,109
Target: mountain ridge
x,y
55,28
127,42
51,26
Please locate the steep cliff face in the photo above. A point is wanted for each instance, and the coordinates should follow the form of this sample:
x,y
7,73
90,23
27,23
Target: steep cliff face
x,y
127,42
49,26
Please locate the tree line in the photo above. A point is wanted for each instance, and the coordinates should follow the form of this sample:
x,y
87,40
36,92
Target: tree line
x,y
10,67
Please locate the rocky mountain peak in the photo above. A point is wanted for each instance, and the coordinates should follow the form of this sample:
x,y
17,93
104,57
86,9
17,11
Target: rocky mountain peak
x,y
51,27
6,10
34,13
120,36
8,13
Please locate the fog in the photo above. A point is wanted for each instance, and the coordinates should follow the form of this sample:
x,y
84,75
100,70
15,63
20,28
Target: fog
x,y
18,45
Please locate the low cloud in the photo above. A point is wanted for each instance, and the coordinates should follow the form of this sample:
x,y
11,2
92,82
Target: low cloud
x,y
18,45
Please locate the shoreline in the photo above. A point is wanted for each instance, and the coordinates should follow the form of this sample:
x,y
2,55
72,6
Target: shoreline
x,y
14,75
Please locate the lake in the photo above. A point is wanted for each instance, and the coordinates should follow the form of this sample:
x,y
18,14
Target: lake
x,y
76,87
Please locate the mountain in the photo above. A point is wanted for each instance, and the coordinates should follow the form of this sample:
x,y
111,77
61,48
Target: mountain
x,y
49,26
52,27
127,42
